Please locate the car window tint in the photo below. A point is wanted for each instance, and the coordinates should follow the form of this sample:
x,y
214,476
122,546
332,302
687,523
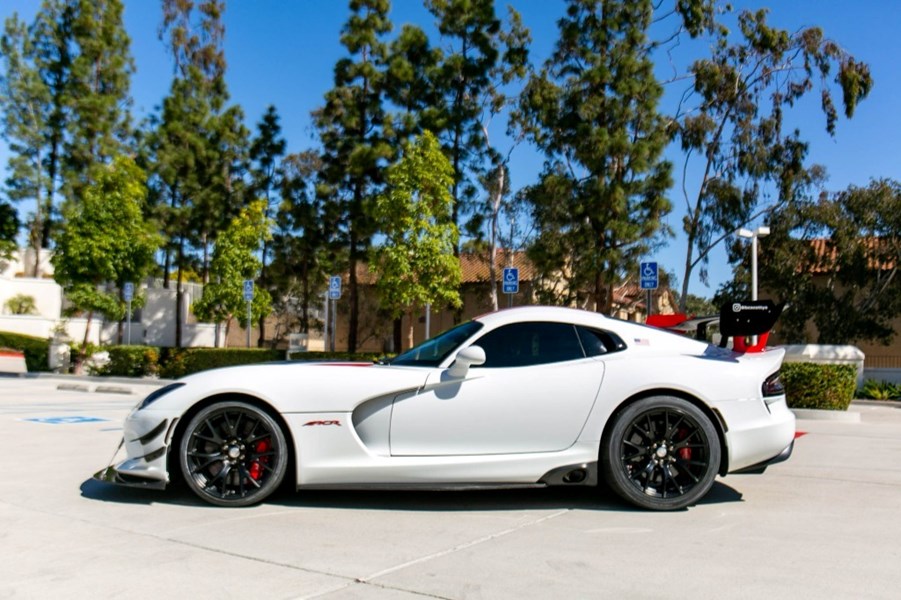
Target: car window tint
x,y
596,342
524,344
431,352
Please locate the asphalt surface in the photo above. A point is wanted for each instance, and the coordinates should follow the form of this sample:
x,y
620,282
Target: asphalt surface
x,y
826,524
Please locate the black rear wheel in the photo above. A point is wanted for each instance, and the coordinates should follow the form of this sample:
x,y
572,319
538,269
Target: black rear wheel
x,y
233,454
662,453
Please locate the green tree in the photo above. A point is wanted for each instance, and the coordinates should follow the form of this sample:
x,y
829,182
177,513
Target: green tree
x,y
592,111
266,151
98,127
734,131
24,100
835,261
480,57
300,243
104,239
234,260
198,147
9,228
64,96
355,145
416,265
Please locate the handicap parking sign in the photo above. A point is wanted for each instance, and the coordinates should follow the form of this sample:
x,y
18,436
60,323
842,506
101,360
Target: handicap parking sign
x,y
511,280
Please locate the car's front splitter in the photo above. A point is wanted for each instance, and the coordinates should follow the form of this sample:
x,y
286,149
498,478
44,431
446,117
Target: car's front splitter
x,y
112,475
146,445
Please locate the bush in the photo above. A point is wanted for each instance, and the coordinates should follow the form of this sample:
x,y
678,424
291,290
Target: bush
x,y
810,385
35,349
131,361
880,390
21,304
178,362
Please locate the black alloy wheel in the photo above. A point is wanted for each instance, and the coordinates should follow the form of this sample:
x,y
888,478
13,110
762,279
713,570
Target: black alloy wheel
x,y
662,453
233,454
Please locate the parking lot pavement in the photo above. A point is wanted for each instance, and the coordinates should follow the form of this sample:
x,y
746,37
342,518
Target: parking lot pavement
x,y
823,525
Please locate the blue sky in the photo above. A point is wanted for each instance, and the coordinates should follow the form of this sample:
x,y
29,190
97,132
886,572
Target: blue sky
x,y
282,52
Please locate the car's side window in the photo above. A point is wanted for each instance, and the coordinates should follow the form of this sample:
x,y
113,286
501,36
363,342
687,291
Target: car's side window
x,y
596,342
524,344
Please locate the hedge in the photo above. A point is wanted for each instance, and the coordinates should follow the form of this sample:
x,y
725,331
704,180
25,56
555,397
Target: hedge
x,y
36,349
131,361
175,362
810,385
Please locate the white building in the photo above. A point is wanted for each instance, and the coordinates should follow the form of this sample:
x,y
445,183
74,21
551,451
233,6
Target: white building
x,y
153,325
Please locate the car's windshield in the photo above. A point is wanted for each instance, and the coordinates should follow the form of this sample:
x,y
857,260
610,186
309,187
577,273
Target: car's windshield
x,y
432,352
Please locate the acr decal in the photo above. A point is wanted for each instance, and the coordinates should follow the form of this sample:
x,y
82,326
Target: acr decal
x,y
311,423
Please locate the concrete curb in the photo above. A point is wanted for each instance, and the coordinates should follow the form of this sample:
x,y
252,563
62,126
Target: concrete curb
x,y
810,414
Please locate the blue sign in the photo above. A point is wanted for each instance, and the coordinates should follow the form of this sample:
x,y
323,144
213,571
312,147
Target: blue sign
x,y
511,280
334,287
128,291
65,420
647,273
248,290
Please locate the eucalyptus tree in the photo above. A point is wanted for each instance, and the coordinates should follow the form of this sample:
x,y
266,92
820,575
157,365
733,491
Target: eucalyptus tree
x,y
731,126
480,55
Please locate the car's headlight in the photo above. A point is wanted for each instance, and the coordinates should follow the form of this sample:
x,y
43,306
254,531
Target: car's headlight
x,y
156,395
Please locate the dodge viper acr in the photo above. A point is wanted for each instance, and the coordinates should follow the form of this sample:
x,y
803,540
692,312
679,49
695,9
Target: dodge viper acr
x,y
524,397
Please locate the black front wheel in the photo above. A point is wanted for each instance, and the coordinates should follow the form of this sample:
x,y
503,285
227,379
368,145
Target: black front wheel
x,y
662,453
233,454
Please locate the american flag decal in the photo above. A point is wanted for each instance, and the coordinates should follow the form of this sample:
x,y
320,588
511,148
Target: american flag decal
x,y
642,342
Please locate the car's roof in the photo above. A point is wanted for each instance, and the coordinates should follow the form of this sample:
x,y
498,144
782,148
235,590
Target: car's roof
x,y
543,313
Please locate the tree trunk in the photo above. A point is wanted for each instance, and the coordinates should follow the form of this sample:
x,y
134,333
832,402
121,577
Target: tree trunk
x,y
411,322
179,292
397,338
263,285
82,355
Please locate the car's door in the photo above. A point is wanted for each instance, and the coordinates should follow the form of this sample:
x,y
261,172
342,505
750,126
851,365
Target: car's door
x,y
533,394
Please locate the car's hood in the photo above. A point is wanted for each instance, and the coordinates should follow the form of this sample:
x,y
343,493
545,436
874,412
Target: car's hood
x,y
304,387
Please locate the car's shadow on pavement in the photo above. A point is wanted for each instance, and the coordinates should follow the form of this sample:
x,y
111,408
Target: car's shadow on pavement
x,y
575,498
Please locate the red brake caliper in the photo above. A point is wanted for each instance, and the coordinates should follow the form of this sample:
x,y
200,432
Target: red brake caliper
x,y
684,453
256,467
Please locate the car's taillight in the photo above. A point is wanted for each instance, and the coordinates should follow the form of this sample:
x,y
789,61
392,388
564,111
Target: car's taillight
x,y
773,386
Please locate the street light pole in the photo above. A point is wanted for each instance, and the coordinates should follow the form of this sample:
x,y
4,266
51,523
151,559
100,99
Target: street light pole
x,y
753,236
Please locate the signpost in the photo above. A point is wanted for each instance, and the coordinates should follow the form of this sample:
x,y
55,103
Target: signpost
x,y
248,298
334,294
128,292
648,276
511,283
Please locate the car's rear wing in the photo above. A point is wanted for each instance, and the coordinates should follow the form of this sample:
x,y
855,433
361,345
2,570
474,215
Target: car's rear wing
x,y
742,320
738,320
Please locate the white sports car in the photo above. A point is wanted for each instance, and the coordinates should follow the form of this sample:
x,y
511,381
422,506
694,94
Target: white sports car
x,y
525,397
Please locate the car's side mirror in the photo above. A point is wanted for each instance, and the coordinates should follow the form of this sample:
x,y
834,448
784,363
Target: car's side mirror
x,y
467,357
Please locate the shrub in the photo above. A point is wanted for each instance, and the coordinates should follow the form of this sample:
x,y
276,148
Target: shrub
x,y
810,385
131,361
880,390
21,304
178,362
35,349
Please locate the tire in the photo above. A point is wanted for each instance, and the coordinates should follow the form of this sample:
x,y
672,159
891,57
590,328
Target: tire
x,y
662,453
233,454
